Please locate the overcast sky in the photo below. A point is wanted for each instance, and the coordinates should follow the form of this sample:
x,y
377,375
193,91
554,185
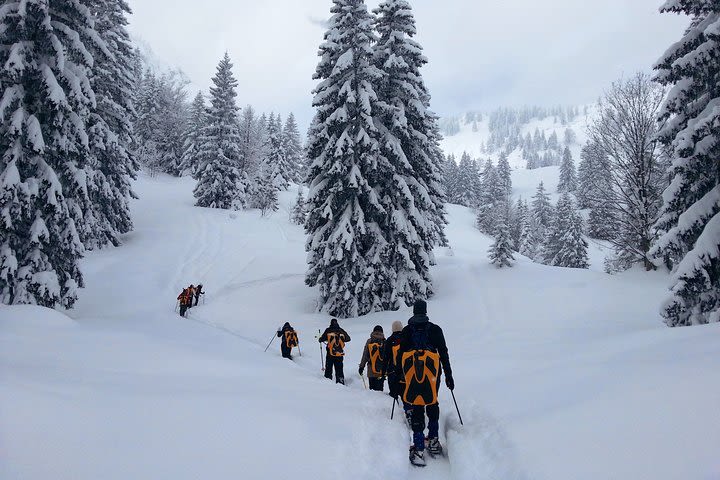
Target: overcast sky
x,y
483,53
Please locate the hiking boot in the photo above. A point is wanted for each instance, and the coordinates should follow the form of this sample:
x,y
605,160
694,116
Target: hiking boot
x,y
433,446
417,457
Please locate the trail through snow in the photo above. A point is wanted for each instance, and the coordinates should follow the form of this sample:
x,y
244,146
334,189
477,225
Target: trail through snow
x,y
560,374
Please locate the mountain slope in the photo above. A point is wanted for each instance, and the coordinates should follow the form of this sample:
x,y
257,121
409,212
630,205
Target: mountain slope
x,y
561,374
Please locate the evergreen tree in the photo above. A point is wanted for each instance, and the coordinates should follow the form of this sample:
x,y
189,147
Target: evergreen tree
x,y
293,150
560,226
251,142
221,184
44,151
519,220
275,160
263,194
531,240
467,182
690,217
191,159
299,213
601,223
501,251
410,136
568,176
110,127
451,179
492,196
593,175
542,209
347,249
573,250
505,175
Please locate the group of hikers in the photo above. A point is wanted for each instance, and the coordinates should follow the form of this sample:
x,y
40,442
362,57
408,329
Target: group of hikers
x,y
412,360
189,297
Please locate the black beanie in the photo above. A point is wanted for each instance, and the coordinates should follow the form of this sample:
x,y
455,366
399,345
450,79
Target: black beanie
x,y
334,322
378,328
420,308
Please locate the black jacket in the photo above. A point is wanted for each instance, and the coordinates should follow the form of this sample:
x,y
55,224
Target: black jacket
x,y
392,341
436,340
333,329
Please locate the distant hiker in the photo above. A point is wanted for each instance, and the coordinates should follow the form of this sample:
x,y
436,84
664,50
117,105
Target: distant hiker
x,y
422,357
191,293
289,340
396,384
335,337
198,292
373,358
184,300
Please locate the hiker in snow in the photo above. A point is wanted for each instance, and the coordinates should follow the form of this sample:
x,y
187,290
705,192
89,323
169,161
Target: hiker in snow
x,y
289,339
191,296
373,358
184,299
395,382
420,361
198,292
335,337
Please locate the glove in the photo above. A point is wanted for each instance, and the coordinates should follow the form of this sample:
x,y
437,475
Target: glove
x,y
450,382
394,389
360,371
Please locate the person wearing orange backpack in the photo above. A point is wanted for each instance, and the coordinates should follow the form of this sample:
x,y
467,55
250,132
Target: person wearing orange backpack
x,y
396,384
289,340
421,361
185,299
335,338
373,358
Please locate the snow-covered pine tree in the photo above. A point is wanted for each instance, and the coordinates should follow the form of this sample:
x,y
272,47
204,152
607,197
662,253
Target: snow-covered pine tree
x,y
467,182
172,124
519,220
501,251
263,194
221,184
414,196
505,175
191,162
542,208
299,212
275,161
573,251
110,130
492,195
690,217
594,167
531,240
251,142
568,175
45,104
560,226
293,150
451,178
347,246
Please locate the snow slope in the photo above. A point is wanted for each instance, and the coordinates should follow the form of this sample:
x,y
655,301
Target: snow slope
x,y
561,374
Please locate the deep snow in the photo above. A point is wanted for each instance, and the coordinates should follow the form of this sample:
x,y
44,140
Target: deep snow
x,y
561,374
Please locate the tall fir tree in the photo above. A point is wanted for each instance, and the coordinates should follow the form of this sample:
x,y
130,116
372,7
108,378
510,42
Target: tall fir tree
x,y
347,247
690,217
451,178
568,174
542,208
466,193
276,163
44,152
573,246
414,196
293,150
191,162
505,175
561,224
593,174
221,184
501,251
491,197
299,212
110,128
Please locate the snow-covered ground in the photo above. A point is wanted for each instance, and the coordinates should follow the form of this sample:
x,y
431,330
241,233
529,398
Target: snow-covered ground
x,y
561,374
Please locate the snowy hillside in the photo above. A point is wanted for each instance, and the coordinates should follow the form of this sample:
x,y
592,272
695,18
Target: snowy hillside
x,y
473,136
561,374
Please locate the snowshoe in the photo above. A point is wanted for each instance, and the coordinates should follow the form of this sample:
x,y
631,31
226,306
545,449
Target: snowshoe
x,y
433,447
417,457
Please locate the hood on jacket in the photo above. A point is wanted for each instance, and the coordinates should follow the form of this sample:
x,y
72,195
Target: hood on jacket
x,y
419,319
377,336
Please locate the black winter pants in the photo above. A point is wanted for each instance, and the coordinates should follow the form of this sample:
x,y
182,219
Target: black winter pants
x,y
183,309
377,384
285,351
418,423
337,364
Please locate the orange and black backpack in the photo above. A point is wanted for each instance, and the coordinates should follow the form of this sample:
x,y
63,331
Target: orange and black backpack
x,y
291,338
376,361
336,344
421,371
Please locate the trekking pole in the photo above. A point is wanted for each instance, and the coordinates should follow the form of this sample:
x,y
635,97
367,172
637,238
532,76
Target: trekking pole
x,y
177,305
271,341
456,408
392,413
363,379
322,362
299,352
